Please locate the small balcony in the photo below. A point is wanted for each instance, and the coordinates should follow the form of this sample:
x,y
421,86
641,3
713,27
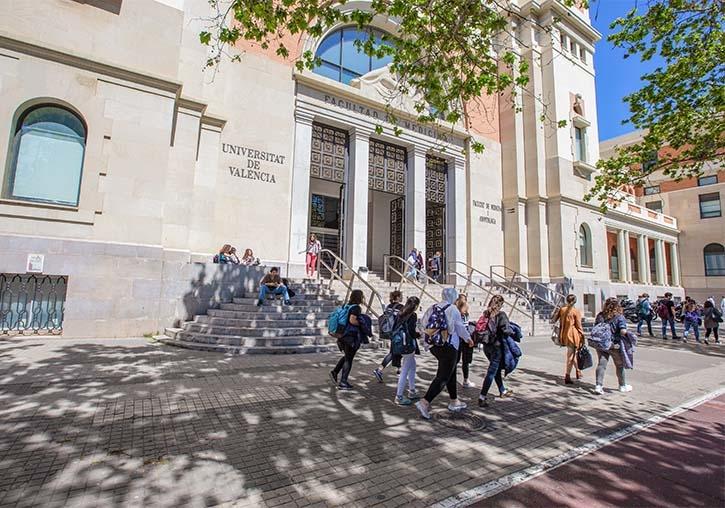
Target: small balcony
x,y
628,207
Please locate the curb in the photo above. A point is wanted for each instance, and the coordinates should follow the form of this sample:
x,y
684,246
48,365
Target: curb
x,y
499,485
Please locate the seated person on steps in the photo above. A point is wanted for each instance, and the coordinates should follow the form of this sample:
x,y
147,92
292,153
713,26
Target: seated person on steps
x,y
272,283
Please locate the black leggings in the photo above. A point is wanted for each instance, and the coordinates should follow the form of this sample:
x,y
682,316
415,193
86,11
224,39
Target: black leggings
x,y
465,354
713,331
345,363
446,373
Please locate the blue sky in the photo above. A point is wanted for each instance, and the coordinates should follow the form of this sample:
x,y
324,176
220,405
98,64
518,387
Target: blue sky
x,y
616,77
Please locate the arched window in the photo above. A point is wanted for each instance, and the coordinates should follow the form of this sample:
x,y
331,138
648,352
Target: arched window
x,y
585,246
714,259
613,264
342,60
47,156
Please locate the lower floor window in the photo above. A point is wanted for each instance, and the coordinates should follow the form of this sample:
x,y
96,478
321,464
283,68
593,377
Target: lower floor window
x,y
714,259
32,303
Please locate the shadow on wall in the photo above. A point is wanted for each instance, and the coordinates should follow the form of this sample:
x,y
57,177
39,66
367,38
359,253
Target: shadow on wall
x,y
213,284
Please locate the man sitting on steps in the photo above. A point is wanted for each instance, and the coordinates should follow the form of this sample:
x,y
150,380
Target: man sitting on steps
x,y
272,283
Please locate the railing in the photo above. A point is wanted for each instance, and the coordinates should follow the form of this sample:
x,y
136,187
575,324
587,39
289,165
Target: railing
x,y
423,288
487,284
537,291
32,303
338,271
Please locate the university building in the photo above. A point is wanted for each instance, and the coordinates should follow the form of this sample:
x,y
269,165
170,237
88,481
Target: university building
x,y
127,164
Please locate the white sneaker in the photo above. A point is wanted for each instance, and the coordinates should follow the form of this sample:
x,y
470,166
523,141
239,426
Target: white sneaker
x,y
599,389
457,406
625,388
467,384
422,409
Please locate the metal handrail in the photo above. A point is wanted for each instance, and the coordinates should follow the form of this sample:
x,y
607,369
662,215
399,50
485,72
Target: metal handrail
x,y
468,277
556,298
334,270
423,288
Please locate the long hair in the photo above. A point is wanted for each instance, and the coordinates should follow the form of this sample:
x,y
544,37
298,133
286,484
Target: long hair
x,y
494,305
395,296
612,307
356,297
248,253
411,305
225,248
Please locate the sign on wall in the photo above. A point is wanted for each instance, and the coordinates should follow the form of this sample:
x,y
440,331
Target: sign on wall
x,y
489,212
35,263
255,164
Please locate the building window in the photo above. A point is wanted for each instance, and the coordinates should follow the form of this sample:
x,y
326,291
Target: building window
x,y
583,55
707,180
580,144
325,212
585,246
613,264
562,40
655,206
714,260
710,205
572,48
651,162
651,189
341,59
47,153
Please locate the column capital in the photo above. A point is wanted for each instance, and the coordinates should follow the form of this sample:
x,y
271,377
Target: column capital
x,y
361,133
418,151
304,117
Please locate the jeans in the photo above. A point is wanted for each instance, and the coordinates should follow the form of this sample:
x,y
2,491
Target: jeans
x,y
465,356
279,290
616,355
643,320
713,331
691,325
407,373
495,368
446,373
390,357
311,264
345,363
671,321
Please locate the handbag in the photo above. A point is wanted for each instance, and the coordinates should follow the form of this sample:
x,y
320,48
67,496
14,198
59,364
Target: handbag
x,y
555,331
584,358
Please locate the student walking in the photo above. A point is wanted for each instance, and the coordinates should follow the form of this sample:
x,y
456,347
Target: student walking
x,y
412,262
571,336
465,352
445,329
435,266
691,319
393,309
711,317
497,329
613,316
666,312
645,314
350,341
313,250
407,320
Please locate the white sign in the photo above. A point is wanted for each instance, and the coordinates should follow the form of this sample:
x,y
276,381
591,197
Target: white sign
x,y
35,263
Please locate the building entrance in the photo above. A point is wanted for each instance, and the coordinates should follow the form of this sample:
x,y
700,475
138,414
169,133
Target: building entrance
x,y
436,176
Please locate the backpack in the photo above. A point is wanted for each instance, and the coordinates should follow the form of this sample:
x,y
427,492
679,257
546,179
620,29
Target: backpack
x,y
481,333
215,259
386,322
663,311
337,321
436,325
400,343
516,332
601,337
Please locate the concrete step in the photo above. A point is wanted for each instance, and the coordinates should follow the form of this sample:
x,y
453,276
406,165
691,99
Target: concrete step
x,y
271,331
311,306
295,300
237,340
270,314
236,350
268,320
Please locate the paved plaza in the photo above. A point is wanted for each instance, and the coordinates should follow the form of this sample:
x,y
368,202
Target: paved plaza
x,y
134,423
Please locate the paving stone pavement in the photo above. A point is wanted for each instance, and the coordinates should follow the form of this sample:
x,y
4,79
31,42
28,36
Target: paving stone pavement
x,y
130,422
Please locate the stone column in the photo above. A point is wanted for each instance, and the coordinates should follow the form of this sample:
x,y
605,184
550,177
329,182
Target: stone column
x,y
300,196
675,260
622,256
627,258
356,207
456,205
660,263
643,254
415,201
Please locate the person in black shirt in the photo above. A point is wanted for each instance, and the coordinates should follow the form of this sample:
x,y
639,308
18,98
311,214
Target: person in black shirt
x,y
668,316
350,342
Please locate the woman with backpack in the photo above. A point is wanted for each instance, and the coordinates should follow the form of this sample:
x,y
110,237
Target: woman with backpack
x,y
445,330
465,352
645,314
691,318
393,308
407,320
612,315
350,340
571,336
711,318
497,328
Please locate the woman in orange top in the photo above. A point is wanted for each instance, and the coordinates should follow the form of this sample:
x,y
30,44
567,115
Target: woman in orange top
x,y
571,335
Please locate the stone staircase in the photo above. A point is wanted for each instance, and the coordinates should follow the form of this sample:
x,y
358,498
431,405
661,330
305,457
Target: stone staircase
x,y
240,327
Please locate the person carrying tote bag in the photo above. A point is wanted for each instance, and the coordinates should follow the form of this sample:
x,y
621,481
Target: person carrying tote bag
x,y
571,336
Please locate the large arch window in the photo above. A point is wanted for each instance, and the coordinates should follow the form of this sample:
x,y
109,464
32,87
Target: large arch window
x,y
585,246
341,58
47,156
714,259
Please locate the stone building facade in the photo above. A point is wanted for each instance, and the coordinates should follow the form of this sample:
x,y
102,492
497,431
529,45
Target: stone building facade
x,y
127,163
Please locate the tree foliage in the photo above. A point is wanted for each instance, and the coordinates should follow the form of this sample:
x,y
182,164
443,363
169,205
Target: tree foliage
x,y
445,53
681,103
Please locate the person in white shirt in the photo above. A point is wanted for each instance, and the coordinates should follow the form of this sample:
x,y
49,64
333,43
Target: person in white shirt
x,y
313,250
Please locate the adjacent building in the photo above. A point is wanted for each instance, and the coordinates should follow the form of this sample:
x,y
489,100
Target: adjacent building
x,y
127,164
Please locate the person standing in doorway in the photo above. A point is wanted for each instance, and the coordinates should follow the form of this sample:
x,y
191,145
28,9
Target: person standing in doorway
x,y
497,328
436,266
613,315
420,264
666,312
412,262
350,341
711,317
313,250
645,314
446,353
571,336
408,319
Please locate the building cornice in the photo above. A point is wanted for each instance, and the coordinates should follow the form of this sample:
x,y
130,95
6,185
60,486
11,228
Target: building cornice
x,y
563,12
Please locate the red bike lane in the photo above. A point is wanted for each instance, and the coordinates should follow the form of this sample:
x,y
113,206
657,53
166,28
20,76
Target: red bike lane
x,y
679,462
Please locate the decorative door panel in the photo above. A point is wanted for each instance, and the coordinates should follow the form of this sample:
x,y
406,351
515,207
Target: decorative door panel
x,y
328,159
387,167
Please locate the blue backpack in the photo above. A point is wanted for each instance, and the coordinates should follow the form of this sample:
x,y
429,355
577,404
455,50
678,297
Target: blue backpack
x,y
401,343
337,321
601,337
516,332
436,325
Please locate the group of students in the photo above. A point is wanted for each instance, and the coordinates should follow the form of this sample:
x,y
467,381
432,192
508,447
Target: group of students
x,y
692,315
227,255
444,330
416,267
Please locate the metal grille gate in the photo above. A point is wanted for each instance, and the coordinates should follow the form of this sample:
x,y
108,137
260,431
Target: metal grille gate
x,y
436,172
